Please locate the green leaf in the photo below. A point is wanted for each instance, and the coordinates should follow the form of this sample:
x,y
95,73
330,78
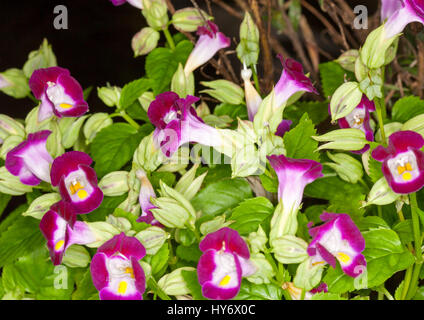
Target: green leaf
x,y
406,108
327,296
107,206
374,166
250,214
21,238
114,146
316,110
332,188
132,91
36,275
136,226
159,260
4,200
136,112
192,282
191,253
405,231
298,141
220,196
233,111
85,287
250,291
332,76
420,294
167,177
385,255
162,63
313,212
269,184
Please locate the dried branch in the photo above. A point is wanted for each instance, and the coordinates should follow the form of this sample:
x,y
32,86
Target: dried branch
x,y
311,44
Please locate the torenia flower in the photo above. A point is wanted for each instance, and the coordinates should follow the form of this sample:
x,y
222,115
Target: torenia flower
x,y
177,123
224,262
115,269
292,81
253,99
389,7
283,127
403,162
146,193
135,3
210,42
60,94
338,238
296,293
359,118
411,11
30,160
77,181
60,228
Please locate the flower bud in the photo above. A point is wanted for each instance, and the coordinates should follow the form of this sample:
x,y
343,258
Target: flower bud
x,y
120,223
224,91
188,185
9,184
41,205
344,100
343,139
31,122
372,84
213,225
308,275
54,141
14,83
114,183
147,156
170,213
361,70
172,193
248,48
76,257
174,284
257,240
71,134
202,109
181,84
8,144
415,124
283,222
10,127
264,271
109,95
146,99
103,232
347,168
348,59
289,249
41,58
95,124
381,194
185,236
144,41
189,19
156,13
152,239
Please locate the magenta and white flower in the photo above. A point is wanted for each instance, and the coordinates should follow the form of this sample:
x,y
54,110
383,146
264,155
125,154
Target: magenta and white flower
x,y
283,128
410,11
253,99
209,43
60,94
116,271
338,239
224,262
30,160
146,193
292,80
359,118
403,161
389,7
177,123
77,181
135,3
60,228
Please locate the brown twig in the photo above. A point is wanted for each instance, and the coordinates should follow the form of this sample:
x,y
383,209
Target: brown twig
x,y
311,44
228,8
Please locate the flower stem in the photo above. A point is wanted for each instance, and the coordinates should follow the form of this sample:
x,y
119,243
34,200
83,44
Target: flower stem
x,y
378,108
169,39
406,283
154,286
255,79
129,119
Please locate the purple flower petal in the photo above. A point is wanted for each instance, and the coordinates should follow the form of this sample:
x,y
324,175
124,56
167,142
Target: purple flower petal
x,y
283,127
227,240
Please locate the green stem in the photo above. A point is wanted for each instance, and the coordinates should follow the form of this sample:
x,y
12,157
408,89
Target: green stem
x,y
382,100
406,282
129,119
378,109
154,286
255,79
169,39
31,97
386,293
380,212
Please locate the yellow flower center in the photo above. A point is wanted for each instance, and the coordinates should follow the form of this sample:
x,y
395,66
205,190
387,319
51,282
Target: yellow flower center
x,y
77,188
59,245
225,281
122,288
343,257
130,271
403,170
65,106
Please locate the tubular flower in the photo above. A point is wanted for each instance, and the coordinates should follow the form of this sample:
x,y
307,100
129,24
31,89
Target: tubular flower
x,y
338,238
224,262
60,94
389,7
403,162
253,99
146,193
177,123
209,43
296,293
292,81
115,269
60,228
410,11
359,118
30,160
135,3
283,127
77,181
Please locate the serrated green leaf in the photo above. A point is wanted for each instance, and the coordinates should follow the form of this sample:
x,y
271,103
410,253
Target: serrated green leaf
x,y
159,260
250,214
132,91
316,110
4,200
231,110
190,278
250,291
114,146
298,141
332,76
406,108
191,253
85,287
